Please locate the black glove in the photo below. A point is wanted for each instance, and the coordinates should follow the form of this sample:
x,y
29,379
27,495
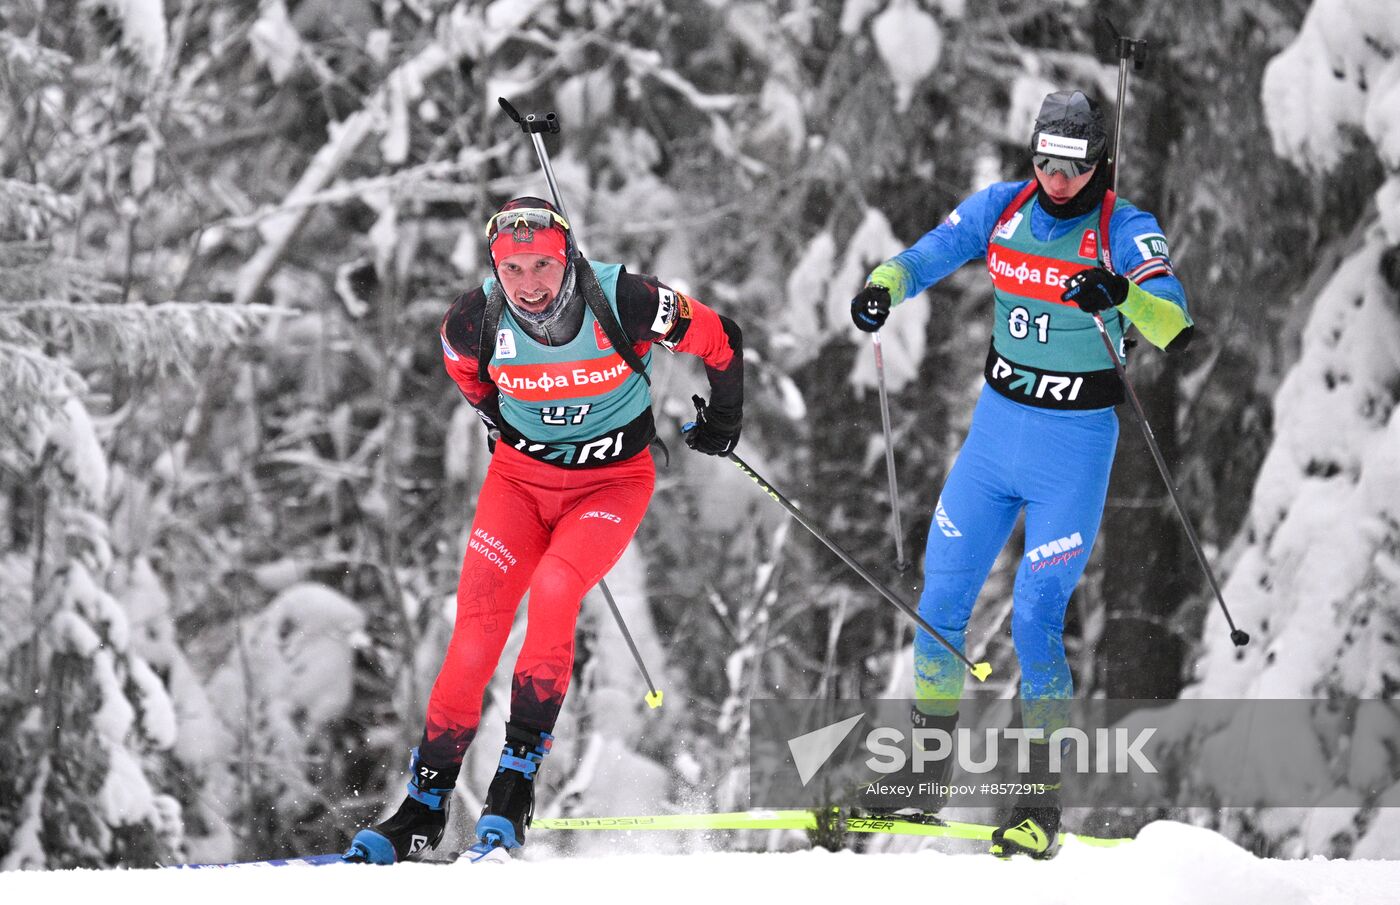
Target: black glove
x,y
870,307
711,433
1096,290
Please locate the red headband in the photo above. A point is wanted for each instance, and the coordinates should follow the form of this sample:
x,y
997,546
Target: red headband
x,y
548,241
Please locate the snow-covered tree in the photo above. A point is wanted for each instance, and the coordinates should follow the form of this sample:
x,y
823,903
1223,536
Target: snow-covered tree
x,y
1316,568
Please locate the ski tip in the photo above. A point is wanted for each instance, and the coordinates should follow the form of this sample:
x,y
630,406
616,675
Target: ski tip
x,y
370,847
981,670
654,698
486,853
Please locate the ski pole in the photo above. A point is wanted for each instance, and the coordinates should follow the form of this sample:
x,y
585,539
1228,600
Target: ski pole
x,y
535,125
900,562
1136,50
980,671
653,695
1238,636
1128,49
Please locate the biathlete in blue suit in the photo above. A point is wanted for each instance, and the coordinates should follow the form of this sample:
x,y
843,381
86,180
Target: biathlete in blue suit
x,y
1058,248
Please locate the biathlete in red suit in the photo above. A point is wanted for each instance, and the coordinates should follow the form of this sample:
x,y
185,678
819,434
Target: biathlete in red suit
x,y
554,352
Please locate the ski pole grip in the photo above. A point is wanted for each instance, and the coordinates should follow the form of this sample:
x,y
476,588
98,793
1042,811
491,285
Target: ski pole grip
x,y
536,122
1134,49
531,123
699,414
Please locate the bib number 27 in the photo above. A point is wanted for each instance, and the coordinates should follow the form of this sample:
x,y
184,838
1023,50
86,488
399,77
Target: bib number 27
x,y
564,414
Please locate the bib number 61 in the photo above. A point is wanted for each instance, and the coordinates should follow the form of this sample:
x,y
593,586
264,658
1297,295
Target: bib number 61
x,y
1018,322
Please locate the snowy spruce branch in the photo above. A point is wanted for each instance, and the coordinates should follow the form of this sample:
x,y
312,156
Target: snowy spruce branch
x,y
30,209
36,381
33,271
28,65
167,336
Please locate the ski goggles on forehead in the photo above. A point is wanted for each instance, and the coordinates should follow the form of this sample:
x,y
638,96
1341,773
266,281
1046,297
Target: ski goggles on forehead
x,y
1068,168
523,221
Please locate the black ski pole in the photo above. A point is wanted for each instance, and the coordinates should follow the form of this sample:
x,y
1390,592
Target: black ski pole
x,y
653,695
1136,50
900,563
980,671
535,125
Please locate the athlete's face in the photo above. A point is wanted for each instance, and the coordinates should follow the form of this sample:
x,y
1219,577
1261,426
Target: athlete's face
x,y
531,281
1062,188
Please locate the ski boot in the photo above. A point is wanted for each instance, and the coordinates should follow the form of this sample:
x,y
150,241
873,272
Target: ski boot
x,y
1034,825
417,826
1033,831
924,809
510,800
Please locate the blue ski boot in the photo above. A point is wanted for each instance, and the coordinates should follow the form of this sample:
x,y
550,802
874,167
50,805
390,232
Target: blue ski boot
x,y
510,801
417,826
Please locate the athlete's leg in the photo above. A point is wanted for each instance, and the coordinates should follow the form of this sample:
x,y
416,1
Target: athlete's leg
x,y
971,522
508,538
589,537
1063,510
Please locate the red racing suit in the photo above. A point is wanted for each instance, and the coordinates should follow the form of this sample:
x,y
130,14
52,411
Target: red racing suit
x,y
552,530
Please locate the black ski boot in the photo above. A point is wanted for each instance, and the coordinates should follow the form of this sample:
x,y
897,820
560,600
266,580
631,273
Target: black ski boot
x,y
417,826
510,800
924,806
1030,830
1034,825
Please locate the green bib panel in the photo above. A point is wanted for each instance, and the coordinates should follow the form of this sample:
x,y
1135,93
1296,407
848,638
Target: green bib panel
x,y
1046,352
576,404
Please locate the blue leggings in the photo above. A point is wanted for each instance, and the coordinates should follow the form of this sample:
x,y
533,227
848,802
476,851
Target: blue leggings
x,y
1055,465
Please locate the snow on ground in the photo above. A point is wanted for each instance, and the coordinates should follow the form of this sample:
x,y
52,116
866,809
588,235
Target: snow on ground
x,y
1168,863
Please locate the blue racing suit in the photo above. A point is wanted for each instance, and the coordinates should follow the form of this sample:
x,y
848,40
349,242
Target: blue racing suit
x,y
1044,430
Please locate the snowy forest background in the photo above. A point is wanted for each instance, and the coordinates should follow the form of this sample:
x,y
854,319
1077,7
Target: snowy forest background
x,y
235,479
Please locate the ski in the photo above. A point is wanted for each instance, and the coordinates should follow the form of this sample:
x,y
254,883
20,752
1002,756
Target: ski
x,y
306,861
733,820
791,820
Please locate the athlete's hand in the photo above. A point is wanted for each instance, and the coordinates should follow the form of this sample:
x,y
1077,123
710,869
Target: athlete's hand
x,y
712,433
1096,290
870,307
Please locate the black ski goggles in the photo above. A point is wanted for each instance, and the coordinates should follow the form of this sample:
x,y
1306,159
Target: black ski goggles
x,y
1068,168
524,219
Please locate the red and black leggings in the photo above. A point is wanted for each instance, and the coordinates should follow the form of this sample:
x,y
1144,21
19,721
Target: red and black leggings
x,y
555,532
